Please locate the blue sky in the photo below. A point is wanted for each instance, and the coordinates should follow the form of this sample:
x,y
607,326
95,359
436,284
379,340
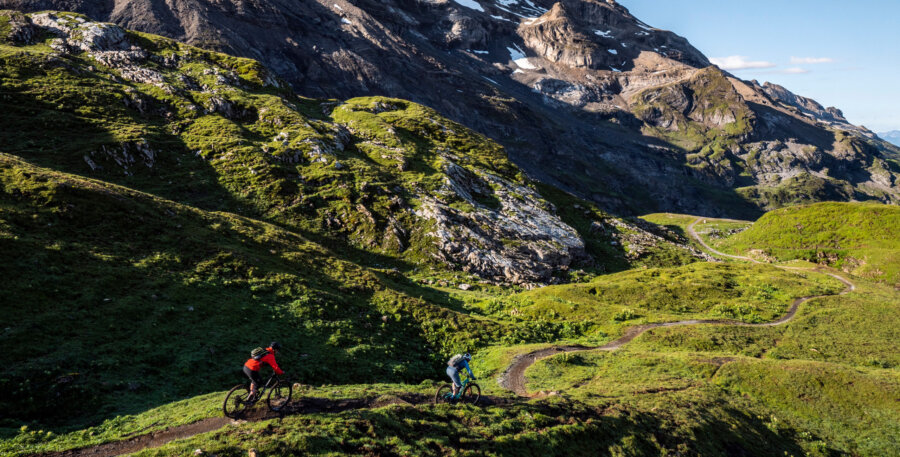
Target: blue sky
x,y
856,45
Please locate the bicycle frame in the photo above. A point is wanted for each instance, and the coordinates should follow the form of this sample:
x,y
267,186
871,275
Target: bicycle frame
x,y
462,388
270,383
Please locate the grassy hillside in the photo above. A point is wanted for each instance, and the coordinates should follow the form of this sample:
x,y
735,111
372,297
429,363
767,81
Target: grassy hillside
x,y
752,293
861,238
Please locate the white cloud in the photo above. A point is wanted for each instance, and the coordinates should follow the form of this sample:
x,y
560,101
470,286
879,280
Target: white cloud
x,y
739,63
810,60
795,71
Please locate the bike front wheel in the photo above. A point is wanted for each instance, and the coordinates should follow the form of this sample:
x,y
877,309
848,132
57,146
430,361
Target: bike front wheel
x,y
236,401
472,394
279,396
443,394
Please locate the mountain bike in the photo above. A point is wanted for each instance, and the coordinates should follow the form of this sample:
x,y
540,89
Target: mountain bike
x,y
469,393
238,400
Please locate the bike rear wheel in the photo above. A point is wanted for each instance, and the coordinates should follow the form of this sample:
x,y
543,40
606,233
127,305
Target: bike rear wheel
x,y
279,396
443,394
236,402
472,394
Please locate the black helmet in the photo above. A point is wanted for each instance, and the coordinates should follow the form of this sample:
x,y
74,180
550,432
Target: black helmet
x,y
467,356
275,345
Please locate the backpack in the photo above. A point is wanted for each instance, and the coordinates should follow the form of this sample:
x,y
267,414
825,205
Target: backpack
x,y
455,360
258,353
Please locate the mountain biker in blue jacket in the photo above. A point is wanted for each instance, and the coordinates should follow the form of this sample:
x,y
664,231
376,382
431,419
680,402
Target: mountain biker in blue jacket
x,y
454,365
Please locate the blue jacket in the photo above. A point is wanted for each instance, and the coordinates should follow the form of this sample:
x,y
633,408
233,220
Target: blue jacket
x,y
464,364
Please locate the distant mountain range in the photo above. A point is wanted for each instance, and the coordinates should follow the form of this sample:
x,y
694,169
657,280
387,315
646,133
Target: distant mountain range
x,y
893,136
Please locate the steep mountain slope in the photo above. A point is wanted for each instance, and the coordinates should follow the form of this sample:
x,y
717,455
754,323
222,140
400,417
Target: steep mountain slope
x,y
563,85
388,176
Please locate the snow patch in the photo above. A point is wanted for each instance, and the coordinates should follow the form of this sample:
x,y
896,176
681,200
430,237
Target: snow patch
x,y
613,51
519,58
606,34
345,21
470,4
478,51
525,63
338,7
515,53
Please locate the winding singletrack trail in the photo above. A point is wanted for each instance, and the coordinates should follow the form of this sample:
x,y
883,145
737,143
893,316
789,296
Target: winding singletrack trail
x,y
306,405
514,377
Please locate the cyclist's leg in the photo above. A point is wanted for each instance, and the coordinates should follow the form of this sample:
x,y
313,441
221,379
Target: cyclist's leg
x,y
255,380
454,376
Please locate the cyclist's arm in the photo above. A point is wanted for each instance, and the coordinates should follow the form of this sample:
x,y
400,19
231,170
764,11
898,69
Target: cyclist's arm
x,y
466,365
270,359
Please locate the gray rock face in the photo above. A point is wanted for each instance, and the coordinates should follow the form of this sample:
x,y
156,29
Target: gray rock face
x,y
21,31
125,156
507,233
810,108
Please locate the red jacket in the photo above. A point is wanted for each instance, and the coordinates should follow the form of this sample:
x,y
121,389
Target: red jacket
x,y
269,358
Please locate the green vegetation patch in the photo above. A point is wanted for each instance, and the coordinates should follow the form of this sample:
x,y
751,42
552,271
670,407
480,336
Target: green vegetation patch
x,y
850,409
862,238
805,188
751,293
624,373
856,329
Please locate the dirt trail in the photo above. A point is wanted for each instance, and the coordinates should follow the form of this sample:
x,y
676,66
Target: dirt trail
x,y
514,377
709,248
305,405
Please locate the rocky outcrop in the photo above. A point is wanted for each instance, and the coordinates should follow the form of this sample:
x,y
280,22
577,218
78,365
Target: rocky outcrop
x,y
502,231
556,38
19,28
706,100
126,156
600,35
108,44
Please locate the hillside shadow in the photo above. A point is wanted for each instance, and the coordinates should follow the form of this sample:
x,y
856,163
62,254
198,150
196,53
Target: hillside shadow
x,y
127,322
778,126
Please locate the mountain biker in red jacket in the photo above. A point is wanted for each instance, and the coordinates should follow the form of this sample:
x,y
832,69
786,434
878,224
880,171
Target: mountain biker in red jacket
x,y
252,366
